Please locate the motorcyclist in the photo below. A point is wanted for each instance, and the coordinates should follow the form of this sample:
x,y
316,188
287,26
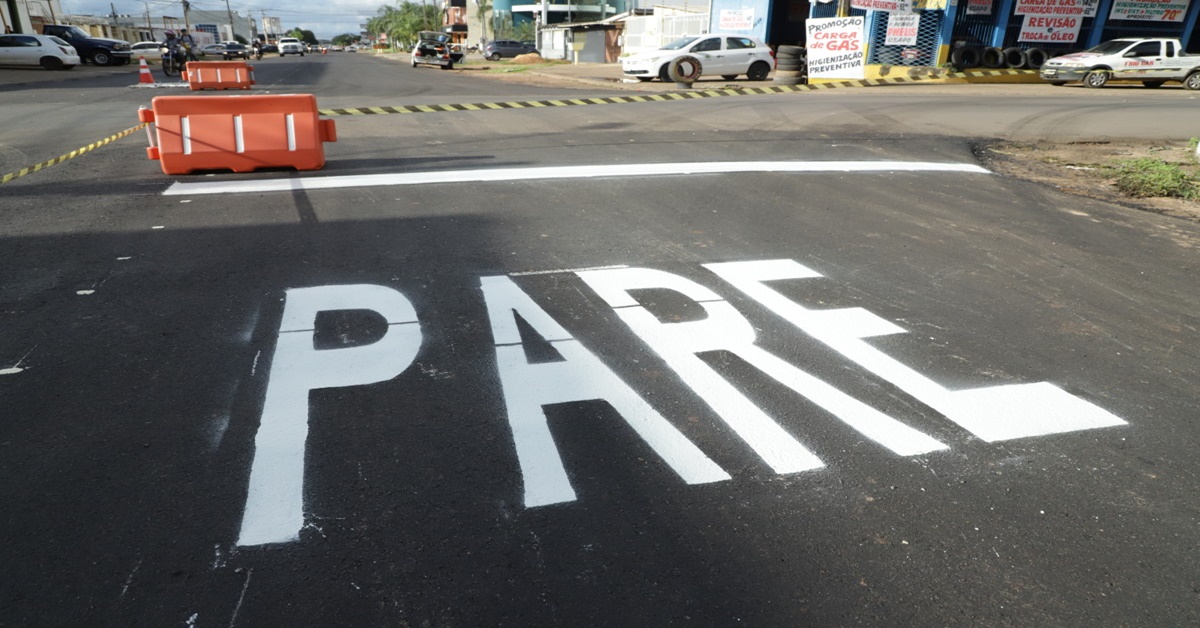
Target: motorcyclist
x,y
256,48
174,48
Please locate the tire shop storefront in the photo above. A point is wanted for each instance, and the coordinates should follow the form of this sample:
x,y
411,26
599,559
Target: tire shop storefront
x,y
968,34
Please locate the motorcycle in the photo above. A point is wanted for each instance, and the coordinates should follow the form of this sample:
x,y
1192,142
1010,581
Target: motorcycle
x,y
170,64
258,54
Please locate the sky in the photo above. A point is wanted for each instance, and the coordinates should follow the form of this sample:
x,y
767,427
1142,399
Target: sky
x,y
325,18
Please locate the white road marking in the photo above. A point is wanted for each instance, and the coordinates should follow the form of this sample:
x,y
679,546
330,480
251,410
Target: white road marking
x,y
995,413
565,270
580,376
504,175
275,499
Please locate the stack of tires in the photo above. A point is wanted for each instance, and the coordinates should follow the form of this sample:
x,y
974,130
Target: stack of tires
x,y
791,66
992,58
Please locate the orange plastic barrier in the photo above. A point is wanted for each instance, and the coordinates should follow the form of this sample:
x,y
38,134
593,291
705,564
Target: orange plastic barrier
x,y
238,133
218,75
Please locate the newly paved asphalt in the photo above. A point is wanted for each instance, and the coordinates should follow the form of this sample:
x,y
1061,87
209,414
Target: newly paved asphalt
x,y
964,399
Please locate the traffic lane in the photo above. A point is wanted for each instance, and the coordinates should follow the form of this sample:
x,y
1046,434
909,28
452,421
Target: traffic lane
x,y
133,427
68,115
35,133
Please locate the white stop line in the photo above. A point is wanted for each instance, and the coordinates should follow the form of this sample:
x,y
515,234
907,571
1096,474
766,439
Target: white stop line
x,y
559,172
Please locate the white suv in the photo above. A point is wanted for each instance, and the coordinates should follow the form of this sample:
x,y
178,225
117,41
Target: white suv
x,y
290,46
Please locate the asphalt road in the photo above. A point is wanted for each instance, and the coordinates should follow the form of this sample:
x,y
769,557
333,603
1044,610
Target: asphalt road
x,y
773,397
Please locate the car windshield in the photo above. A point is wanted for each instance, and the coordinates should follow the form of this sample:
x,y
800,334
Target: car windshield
x,y
1109,47
76,32
679,43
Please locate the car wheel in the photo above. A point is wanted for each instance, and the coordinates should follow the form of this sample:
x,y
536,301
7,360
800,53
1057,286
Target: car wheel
x,y
729,77
1192,81
663,74
758,71
52,63
1096,78
101,58
1153,84
495,56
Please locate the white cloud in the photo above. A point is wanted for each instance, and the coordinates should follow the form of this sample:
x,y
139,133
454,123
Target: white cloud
x,y
325,18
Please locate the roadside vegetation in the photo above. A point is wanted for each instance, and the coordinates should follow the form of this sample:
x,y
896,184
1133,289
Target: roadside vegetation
x,y
401,23
1162,177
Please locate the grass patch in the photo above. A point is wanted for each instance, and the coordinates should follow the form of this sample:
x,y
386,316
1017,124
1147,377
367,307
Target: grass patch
x,y
1146,177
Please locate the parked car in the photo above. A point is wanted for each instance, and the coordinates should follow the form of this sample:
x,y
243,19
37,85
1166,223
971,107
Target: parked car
x,y
1151,60
148,49
47,51
501,48
434,48
726,56
98,50
290,46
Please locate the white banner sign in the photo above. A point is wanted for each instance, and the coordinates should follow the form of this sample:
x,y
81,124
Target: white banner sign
x,y
1044,29
890,6
902,29
1082,8
979,7
836,48
1149,10
736,19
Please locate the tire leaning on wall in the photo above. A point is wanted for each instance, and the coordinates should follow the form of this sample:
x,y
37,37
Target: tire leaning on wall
x,y
965,58
685,70
992,58
1035,58
1015,58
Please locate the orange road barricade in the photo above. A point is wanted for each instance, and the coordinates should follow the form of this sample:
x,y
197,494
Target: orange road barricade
x,y
238,133
218,75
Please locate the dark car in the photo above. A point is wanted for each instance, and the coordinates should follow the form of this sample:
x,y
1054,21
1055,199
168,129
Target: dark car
x,y
270,48
501,48
236,51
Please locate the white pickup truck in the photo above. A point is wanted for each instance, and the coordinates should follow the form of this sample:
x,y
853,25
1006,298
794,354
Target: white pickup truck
x,y
1152,61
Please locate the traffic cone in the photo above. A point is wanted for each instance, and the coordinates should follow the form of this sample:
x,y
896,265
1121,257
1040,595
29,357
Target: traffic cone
x,y
144,75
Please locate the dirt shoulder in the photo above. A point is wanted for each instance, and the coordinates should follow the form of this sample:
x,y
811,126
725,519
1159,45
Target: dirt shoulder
x,y
1089,168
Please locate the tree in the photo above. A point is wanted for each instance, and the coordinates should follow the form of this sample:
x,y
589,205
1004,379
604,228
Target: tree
x,y
401,24
305,36
345,39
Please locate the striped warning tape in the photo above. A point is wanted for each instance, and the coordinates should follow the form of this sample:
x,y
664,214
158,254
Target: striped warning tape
x,y
71,155
689,95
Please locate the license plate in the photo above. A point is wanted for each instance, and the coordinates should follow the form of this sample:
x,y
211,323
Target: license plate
x,y
1049,72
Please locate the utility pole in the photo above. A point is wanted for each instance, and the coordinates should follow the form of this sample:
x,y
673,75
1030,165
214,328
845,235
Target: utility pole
x,y
187,6
232,28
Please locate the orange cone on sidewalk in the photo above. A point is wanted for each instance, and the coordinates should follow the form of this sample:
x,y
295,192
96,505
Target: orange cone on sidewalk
x,y
144,75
